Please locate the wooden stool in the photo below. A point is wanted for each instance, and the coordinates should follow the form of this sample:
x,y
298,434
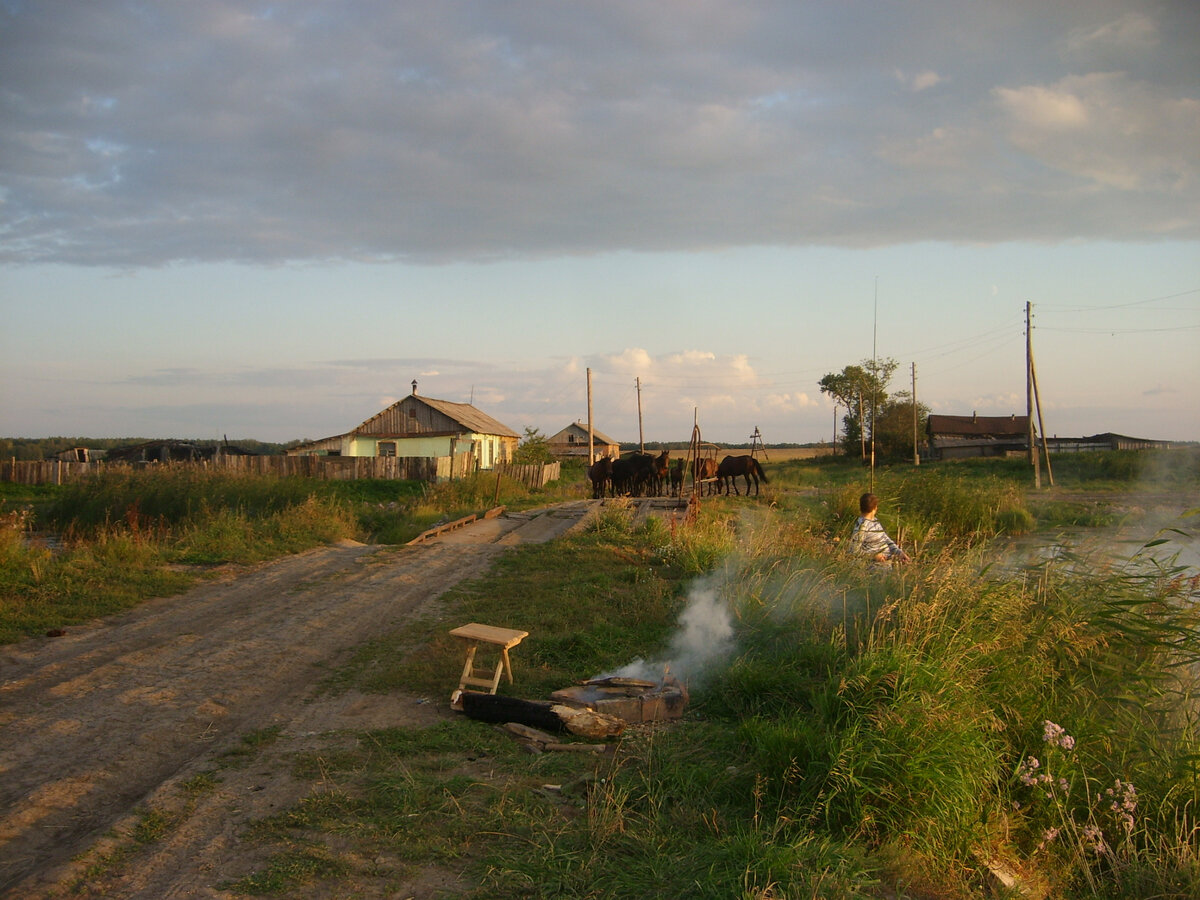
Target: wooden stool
x,y
476,634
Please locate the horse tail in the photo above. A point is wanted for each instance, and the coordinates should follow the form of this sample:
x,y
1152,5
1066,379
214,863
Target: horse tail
x,y
759,470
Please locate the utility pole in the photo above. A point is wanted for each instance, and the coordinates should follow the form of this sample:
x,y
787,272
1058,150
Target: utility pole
x,y
916,452
641,440
1037,399
591,438
833,445
1034,457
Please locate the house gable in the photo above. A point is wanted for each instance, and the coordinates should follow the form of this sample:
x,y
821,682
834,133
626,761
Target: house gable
x,y
424,427
414,416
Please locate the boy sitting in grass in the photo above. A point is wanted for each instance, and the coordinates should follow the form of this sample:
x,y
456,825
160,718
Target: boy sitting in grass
x,y
869,538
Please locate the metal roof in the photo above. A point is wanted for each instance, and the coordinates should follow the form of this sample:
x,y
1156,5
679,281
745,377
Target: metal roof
x,y
978,426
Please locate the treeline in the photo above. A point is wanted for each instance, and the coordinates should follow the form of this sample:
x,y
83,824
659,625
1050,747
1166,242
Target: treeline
x,y
46,448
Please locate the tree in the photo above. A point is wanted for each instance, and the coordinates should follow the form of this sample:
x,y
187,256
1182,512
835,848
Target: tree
x,y
862,389
534,448
894,425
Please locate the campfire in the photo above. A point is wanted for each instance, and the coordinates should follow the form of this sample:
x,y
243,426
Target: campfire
x,y
632,699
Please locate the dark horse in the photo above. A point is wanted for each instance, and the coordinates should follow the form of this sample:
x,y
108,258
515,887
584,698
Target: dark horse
x,y
600,473
676,477
746,466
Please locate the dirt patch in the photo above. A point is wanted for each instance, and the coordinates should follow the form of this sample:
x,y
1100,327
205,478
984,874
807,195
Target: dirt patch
x,y
130,713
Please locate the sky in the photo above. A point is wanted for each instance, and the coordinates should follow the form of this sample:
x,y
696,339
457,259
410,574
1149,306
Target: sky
x,y
266,220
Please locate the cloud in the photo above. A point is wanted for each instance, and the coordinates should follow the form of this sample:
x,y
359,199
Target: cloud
x,y
478,131
1133,31
919,81
1107,129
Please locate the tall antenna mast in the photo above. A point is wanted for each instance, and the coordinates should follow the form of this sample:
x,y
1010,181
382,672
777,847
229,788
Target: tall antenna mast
x,y
874,376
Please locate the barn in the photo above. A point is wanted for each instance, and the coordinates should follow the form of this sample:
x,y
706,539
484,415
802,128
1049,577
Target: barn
x,y
958,437
423,427
1106,441
572,443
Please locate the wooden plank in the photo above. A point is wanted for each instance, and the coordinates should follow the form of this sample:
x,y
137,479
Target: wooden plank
x,y
492,634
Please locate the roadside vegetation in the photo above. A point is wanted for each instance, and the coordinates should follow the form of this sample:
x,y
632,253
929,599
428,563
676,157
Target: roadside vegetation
x,y
955,728
91,548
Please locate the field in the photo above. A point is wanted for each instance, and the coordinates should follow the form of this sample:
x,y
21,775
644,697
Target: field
x,y
1010,715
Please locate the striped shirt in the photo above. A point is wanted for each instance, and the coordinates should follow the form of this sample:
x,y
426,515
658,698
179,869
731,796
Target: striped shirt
x,y
869,539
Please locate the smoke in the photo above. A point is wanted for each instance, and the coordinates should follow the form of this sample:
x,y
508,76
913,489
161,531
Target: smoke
x,y
703,639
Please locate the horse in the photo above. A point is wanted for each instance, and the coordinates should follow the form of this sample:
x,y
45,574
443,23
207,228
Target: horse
x,y
746,466
632,474
676,477
600,474
703,469
662,463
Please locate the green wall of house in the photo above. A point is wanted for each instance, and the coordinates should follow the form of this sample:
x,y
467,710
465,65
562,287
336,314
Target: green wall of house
x,y
490,449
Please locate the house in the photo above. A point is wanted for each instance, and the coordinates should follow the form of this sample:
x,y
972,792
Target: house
x,y
572,443
957,437
423,427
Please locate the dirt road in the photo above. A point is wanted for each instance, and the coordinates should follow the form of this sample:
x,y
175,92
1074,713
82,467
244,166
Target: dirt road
x,y
119,715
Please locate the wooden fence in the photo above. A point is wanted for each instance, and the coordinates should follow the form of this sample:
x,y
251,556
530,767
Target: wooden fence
x,y
533,475
413,468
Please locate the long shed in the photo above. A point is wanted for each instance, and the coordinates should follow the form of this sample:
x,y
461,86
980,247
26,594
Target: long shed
x,y
957,437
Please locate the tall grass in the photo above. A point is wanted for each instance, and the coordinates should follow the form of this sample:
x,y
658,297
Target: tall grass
x,y
928,508
897,710
882,725
130,531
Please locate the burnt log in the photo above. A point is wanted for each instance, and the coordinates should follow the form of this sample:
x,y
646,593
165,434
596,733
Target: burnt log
x,y
499,709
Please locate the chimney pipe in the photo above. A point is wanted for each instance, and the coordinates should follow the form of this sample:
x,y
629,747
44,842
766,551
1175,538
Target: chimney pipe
x,y
414,383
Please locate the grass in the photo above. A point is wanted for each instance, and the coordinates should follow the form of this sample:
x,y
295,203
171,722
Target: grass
x,y
866,736
860,733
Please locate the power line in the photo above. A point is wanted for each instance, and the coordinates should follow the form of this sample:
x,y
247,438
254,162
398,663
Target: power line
x,y
1119,305
1117,330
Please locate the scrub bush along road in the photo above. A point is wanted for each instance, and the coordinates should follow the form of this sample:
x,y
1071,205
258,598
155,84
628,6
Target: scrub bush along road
x,y
133,713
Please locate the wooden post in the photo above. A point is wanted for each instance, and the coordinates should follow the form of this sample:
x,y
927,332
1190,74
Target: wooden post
x,y
641,440
1037,399
916,452
1033,452
591,439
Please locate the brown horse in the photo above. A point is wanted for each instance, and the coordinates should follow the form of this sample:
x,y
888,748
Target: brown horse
x,y
705,469
662,463
746,466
